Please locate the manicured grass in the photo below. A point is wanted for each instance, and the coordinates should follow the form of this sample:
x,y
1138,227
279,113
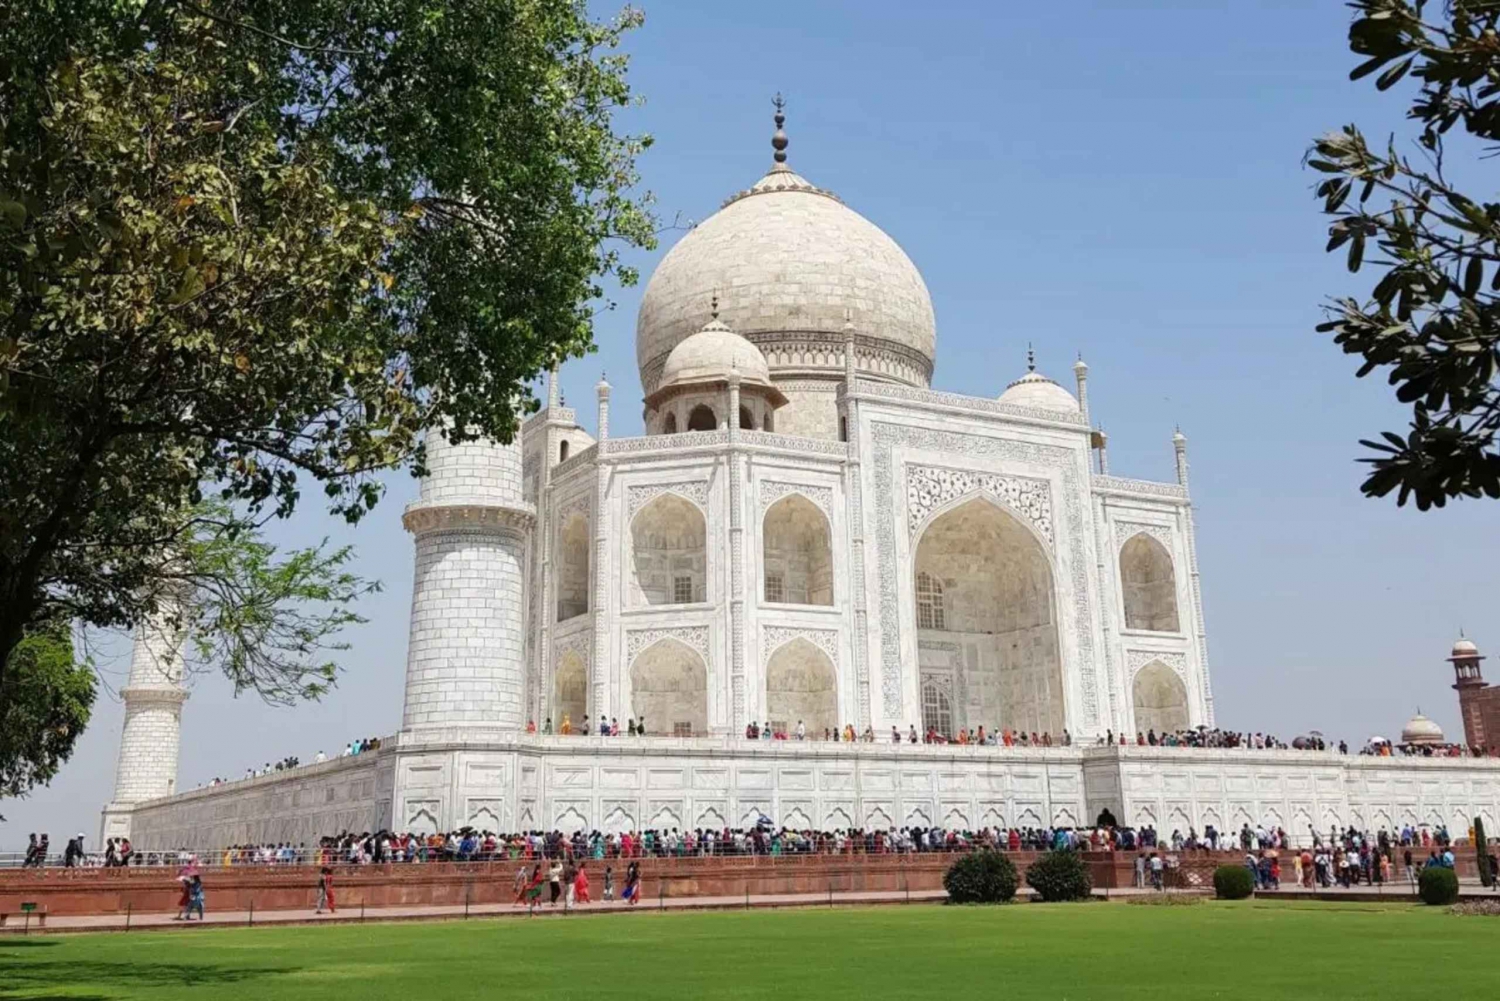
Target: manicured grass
x,y
1250,950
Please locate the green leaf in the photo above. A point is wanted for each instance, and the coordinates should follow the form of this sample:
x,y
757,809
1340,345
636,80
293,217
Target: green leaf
x,y
1390,77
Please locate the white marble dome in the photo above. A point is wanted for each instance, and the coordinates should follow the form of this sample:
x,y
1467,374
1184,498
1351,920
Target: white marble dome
x,y
1421,730
711,355
790,263
1464,648
1038,392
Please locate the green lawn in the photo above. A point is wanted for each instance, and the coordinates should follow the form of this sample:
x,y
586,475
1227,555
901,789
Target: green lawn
x,y
1115,951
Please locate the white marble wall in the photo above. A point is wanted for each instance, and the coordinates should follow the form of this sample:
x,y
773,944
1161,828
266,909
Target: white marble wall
x,y
568,783
299,806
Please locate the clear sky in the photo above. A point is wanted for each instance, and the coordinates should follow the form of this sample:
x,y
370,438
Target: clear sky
x,y
1121,179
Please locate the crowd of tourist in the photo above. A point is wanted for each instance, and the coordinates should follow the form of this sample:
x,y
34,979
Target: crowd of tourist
x,y
291,761
764,839
1197,737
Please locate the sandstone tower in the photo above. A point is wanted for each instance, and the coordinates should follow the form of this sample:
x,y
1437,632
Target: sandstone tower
x,y
466,656
1478,703
153,722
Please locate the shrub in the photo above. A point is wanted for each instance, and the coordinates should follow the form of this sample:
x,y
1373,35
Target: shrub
x,y
1060,875
982,877
1233,882
1438,885
1482,853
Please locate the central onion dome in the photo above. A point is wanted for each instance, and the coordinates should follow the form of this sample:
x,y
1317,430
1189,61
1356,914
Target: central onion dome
x,y
794,268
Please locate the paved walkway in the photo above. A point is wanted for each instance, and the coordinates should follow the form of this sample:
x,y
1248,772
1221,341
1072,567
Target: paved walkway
x,y
135,922
225,919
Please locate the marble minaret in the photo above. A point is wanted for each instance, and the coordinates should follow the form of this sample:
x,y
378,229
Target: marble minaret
x,y
153,723
465,663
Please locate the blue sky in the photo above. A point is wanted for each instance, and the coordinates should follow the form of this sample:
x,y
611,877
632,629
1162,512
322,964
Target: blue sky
x,y
1121,179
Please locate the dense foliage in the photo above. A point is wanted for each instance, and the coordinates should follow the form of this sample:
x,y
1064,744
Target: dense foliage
x,y
1432,322
1233,882
982,877
245,244
45,701
1437,885
1482,853
1060,875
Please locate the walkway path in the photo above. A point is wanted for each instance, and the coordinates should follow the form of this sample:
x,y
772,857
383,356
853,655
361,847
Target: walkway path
x,y
136,922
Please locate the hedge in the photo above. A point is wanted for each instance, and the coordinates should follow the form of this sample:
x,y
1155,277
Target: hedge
x,y
1438,885
1233,882
1060,875
983,877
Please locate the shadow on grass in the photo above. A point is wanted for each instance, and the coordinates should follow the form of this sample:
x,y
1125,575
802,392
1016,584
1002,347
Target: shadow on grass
x,y
26,943
58,976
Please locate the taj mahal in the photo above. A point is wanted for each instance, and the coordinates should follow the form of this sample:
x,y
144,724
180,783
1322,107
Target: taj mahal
x,y
807,532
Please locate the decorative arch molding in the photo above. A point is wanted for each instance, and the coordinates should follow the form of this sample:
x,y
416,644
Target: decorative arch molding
x,y
773,638
932,488
694,491
582,503
1137,659
772,491
1074,488
579,641
694,638
1124,530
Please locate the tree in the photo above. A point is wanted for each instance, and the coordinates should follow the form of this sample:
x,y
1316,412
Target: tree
x,y
45,701
245,244
1432,322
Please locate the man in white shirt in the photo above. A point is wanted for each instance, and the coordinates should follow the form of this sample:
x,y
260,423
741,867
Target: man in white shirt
x,y
801,730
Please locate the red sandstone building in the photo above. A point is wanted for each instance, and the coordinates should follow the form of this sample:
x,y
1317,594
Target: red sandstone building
x,y
1478,703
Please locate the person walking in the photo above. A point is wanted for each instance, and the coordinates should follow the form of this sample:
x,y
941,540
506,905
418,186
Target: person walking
x,y
554,877
581,886
195,897
520,884
609,883
533,892
325,890
185,883
632,890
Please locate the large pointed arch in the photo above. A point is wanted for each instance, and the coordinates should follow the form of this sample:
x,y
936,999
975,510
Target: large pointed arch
x,y
1148,585
669,555
1161,700
985,578
573,566
801,686
797,553
669,688
570,688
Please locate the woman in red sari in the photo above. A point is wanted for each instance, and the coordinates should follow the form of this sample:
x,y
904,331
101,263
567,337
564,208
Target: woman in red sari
x,y
581,885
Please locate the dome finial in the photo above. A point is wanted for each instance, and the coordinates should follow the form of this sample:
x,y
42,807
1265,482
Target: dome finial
x,y
713,304
1030,358
778,140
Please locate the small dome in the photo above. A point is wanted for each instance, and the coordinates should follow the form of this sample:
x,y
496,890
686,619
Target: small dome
x,y
1464,648
1421,730
711,355
1039,392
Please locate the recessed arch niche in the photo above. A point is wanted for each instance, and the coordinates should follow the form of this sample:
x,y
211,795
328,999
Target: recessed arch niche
x,y
669,559
797,564
1160,697
1148,585
983,586
669,687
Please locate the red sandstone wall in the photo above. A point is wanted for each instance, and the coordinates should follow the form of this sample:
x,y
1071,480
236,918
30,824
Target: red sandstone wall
x,y
146,890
